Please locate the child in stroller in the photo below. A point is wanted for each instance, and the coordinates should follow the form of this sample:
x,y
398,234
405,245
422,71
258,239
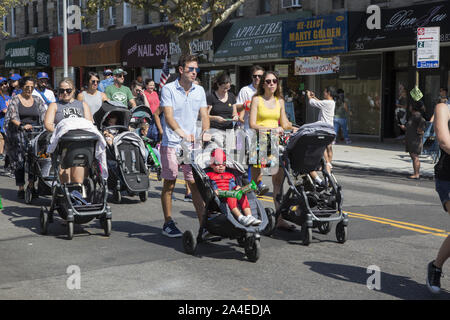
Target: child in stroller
x,y
221,180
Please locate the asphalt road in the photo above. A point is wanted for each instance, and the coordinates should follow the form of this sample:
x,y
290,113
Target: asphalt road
x,y
396,226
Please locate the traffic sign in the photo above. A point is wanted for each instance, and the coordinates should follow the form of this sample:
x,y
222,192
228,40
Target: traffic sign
x,y
428,41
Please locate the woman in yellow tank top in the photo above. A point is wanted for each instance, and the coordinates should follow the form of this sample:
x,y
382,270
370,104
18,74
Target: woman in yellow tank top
x,y
267,112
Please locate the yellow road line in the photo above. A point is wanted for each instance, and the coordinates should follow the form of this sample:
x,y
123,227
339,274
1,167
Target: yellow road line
x,y
393,223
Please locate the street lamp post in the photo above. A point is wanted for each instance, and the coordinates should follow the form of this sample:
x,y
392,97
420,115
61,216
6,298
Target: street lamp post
x,y
66,62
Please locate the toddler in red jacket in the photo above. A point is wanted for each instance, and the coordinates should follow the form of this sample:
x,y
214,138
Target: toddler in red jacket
x,y
222,180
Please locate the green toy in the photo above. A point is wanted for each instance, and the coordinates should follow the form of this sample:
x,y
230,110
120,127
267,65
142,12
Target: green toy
x,y
231,194
251,186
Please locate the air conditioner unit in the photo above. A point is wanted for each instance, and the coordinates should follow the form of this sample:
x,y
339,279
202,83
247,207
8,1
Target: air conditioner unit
x,y
34,30
112,21
285,4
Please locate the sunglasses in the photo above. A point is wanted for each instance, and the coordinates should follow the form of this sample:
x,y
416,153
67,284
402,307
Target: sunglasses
x,y
62,91
191,69
218,163
259,76
29,87
120,75
95,81
269,81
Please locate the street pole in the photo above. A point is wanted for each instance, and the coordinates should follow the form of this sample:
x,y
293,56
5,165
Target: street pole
x,y
66,61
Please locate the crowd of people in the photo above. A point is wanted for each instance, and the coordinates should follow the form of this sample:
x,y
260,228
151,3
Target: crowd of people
x,y
26,102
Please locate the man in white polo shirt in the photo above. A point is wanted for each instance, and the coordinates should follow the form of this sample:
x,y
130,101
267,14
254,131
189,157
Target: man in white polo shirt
x,y
181,102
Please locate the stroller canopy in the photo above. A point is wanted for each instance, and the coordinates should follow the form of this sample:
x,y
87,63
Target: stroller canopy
x,y
108,108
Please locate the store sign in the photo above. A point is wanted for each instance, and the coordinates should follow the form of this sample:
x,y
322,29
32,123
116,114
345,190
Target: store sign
x,y
428,47
383,28
316,65
27,54
315,36
254,39
56,49
145,48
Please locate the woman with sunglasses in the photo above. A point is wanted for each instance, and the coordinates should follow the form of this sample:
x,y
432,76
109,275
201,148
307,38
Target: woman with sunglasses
x,y
266,113
24,112
67,107
92,96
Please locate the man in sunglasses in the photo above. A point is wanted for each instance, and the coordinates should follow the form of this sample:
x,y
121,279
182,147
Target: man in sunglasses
x,y
107,80
42,90
119,92
181,102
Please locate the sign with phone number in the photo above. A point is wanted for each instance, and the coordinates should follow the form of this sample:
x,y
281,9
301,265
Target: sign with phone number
x,y
428,42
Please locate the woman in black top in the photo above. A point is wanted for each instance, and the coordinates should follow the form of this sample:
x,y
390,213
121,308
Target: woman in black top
x,y
442,177
24,113
222,104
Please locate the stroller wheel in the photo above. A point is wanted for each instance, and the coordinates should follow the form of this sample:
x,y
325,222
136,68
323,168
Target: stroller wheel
x,y
241,241
117,196
341,233
252,249
306,234
43,218
271,216
189,242
324,227
143,196
69,230
106,225
28,195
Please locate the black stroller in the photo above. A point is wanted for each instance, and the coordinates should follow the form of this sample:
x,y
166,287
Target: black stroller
x,y
304,203
77,203
126,156
218,219
138,115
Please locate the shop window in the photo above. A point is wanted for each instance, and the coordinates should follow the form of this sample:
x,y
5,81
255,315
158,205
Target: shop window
x,y
401,59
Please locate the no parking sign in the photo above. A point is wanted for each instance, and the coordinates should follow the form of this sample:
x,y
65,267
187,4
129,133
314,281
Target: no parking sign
x,y
428,40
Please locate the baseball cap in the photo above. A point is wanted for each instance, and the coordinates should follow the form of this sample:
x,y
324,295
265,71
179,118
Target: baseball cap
x,y
42,75
119,71
3,79
107,72
15,77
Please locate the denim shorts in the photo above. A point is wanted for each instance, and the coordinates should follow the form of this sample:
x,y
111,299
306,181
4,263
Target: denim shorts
x,y
443,189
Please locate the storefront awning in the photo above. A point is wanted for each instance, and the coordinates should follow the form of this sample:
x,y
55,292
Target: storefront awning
x,y
255,39
96,54
32,53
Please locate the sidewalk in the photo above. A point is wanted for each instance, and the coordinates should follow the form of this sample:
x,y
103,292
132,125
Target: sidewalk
x,y
388,157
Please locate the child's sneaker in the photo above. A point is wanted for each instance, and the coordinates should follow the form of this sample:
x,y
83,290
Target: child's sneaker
x,y
245,220
255,221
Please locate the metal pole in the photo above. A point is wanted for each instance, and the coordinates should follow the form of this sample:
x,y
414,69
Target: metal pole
x,y
66,60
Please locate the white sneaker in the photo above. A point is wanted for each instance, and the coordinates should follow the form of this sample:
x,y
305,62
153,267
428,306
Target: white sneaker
x,y
255,221
245,220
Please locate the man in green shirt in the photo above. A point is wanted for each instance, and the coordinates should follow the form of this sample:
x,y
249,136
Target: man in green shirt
x,y
118,92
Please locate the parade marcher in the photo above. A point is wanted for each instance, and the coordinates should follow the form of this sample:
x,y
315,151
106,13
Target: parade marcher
x,y
4,101
442,177
92,96
24,112
107,81
181,101
151,94
42,90
246,94
67,107
266,113
14,87
118,91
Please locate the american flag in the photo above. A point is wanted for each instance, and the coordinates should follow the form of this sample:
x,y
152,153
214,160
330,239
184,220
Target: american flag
x,y
165,74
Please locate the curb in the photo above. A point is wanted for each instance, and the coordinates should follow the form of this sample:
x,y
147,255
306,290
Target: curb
x,y
400,172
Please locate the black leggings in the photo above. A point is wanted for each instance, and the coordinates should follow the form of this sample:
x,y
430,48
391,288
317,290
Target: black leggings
x,y
20,177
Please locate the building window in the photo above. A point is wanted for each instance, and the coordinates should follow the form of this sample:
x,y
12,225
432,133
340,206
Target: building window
x,y
239,11
5,23
112,16
13,22
27,19
162,16
338,4
264,6
35,16
45,15
148,17
126,14
100,18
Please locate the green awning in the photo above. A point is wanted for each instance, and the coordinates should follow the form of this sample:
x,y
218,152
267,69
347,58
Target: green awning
x,y
255,39
32,53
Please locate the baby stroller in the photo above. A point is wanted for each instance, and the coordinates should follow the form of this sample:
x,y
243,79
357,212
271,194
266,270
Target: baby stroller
x,y
304,203
39,165
126,156
141,114
77,203
218,219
